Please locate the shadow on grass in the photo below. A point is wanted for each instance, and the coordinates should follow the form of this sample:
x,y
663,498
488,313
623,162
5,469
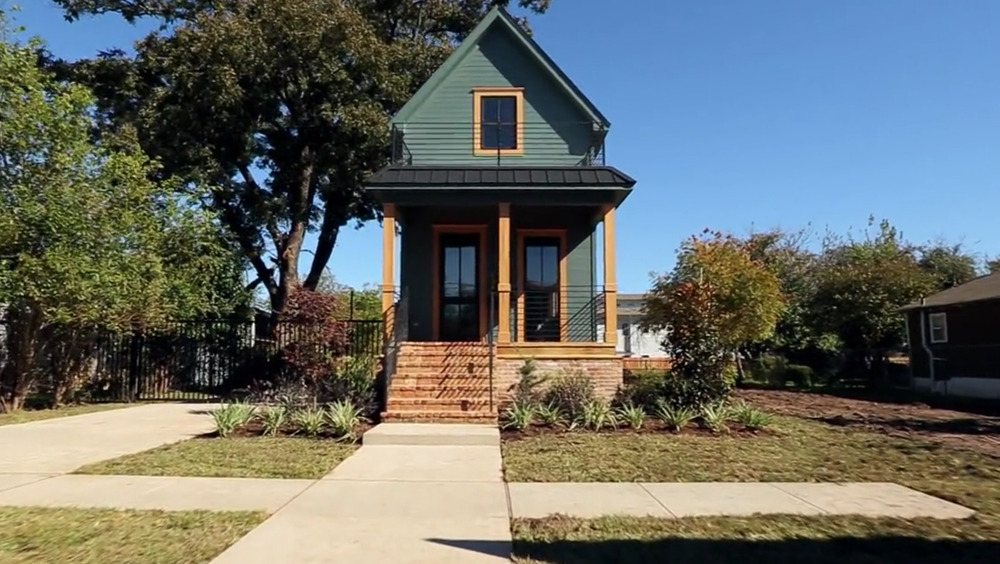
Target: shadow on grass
x,y
877,550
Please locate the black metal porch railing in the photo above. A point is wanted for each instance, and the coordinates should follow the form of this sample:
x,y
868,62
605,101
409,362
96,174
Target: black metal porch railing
x,y
558,314
500,144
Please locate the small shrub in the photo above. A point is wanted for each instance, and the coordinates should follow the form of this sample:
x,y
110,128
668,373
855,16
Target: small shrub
x,y
674,417
751,418
354,381
550,415
694,392
643,389
232,416
273,419
799,375
519,416
310,420
344,417
528,388
570,392
633,415
597,414
715,416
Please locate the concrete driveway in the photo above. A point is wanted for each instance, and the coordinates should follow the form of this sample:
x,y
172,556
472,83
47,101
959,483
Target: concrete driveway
x,y
61,445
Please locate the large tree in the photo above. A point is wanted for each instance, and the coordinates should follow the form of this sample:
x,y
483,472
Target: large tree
x,y
861,284
950,265
88,243
280,106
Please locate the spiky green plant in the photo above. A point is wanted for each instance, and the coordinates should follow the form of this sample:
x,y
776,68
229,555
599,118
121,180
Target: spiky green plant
x,y
232,416
519,415
309,420
751,418
633,415
597,414
550,415
674,417
344,418
714,417
273,419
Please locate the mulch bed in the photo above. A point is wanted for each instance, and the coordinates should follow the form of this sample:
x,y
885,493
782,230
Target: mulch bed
x,y
255,429
650,427
906,419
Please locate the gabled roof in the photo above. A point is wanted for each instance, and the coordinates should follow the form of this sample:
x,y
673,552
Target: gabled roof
x,y
499,16
508,176
982,288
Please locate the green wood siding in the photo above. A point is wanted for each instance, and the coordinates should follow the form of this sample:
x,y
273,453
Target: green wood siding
x,y
440,131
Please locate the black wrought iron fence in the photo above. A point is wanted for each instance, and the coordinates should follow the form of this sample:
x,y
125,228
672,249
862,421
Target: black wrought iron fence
x,y
190,360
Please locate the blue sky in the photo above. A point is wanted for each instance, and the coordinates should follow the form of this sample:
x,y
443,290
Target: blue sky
x,y
735,115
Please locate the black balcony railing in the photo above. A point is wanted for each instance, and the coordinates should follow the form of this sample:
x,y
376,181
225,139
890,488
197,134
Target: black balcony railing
x,y
501,144
557,314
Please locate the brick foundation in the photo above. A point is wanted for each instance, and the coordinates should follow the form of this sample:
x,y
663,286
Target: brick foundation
x,y
606,373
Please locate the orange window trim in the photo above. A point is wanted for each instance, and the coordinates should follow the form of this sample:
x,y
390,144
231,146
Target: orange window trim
x,y
436,276
523,234
477,120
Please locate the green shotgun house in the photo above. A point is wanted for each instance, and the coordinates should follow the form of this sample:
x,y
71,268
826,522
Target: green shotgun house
x,y
493,200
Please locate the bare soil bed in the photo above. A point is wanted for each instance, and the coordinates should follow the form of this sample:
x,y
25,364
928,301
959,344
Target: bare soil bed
x,y
908,419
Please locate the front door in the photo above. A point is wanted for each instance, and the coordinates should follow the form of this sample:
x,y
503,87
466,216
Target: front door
x,y
459,288
541,289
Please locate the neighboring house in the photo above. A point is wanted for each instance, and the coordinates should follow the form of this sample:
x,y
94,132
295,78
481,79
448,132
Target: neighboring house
x,y
496,190
954,339
633,342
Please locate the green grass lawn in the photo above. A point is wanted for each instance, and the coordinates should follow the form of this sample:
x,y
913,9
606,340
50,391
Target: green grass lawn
x,y
103,536
799,450
29,415
234,457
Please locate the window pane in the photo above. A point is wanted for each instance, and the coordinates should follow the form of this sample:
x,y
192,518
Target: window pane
x,y
498,128
468,271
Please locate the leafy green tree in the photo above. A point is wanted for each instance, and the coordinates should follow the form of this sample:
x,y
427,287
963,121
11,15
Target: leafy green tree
x,y
717,299
281,106
363,303
87,242
862,284
948,264
993,265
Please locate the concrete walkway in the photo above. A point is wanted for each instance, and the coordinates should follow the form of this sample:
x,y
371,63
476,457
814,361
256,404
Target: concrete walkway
x,y
397,503
61,445
727,498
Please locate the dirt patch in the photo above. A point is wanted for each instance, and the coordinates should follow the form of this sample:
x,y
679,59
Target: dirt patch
x,y
960,429
648,428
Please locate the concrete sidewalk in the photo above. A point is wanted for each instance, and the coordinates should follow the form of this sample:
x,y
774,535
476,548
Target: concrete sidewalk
x,y
585,500
149,492
61,445
395,503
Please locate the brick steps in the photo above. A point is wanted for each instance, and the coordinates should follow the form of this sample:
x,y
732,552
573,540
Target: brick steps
x,y
444,389
441,382
483,417
438,404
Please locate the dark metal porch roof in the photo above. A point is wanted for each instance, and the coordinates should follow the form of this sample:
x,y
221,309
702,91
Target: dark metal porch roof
x,y
499,176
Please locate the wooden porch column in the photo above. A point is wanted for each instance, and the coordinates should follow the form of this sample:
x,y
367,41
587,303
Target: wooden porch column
x,y
610,279
388,268
503,276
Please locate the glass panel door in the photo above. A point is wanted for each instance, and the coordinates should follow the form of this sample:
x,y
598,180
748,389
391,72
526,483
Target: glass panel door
x,y
541,289
459,289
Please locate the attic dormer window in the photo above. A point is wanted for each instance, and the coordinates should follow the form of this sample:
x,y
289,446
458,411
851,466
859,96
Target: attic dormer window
x,y
498,118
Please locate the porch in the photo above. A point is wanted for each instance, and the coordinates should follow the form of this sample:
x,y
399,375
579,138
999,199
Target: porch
x,y
522,278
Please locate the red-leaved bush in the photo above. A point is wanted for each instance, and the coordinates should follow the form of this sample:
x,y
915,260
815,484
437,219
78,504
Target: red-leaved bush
x,y
312,336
